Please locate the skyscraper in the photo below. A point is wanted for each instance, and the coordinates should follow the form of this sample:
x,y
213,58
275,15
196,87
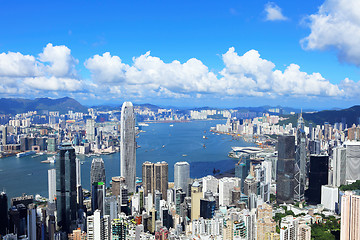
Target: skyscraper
x,y
97,173
181,176
155,177
90,130
66,194
128,146
300,161
318,176
285,169
350,220
52,184
3,213
98,197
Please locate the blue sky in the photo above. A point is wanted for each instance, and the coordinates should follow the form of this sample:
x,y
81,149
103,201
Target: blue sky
x,y
226,53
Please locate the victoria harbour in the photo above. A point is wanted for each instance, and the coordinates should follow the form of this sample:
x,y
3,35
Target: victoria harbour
x,y
183,141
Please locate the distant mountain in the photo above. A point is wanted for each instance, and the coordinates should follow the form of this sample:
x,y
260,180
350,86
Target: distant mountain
x,y
20,105
118,107
349,116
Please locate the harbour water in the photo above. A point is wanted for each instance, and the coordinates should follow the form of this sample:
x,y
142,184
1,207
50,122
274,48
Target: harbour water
x,y
160,142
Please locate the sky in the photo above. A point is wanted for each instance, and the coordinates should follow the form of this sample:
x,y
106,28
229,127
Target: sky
x,y
195,53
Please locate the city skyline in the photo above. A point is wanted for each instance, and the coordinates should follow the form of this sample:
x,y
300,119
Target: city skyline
x,y
195,54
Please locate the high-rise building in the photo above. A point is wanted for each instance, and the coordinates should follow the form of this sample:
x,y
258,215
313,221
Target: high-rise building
x,y
98,227
196,195
182,176
285,169
318,176
128,146
304,232
155,177
3,213
250,185
31,222
52,185
300,161
350,216
148,177
79,191
90,130
66,194
242,169
226,185
98,197
338,167
97,173
352,161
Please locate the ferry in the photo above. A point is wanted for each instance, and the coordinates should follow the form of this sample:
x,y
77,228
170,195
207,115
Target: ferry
x,y
23,154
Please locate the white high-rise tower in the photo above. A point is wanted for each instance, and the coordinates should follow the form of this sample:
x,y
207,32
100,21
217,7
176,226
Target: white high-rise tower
x,y
128,146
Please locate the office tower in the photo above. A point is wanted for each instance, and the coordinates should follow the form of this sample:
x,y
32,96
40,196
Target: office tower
x,y
338,167
352,161
52,185
155,177
24,199
196,195
207,208
3,135
210,183
116,183
17,219
111,207
350,216
79,191
31,222
3,213
51,144
250,185
77,235
148,177
98,227
329,197
300,161
318,176
128,146
161,178
66,203
226,185
97,173
285,169
98,197
90,130
242,169
182,176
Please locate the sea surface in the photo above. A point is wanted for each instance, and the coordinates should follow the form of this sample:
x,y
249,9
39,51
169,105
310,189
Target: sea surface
x,y
160,142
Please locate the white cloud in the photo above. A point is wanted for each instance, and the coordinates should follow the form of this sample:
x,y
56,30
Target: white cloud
x,y
336,26
246,75
18,65
62,63
274,12
55,84
106,68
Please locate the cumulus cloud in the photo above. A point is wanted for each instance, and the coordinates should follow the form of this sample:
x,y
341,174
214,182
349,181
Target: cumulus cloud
x,y
243,75
106,68
18,65
274,12
53,70
336,26
62,63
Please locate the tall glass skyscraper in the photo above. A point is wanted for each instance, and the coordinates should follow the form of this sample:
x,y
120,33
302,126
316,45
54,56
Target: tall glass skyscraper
x,y
3,213
128,146
97,173
300,161
66,204
181,176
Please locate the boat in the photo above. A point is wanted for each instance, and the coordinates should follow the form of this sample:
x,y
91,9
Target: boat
x,y
163,146
204,146
171,125
184,155
23,154
50,159
204,137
